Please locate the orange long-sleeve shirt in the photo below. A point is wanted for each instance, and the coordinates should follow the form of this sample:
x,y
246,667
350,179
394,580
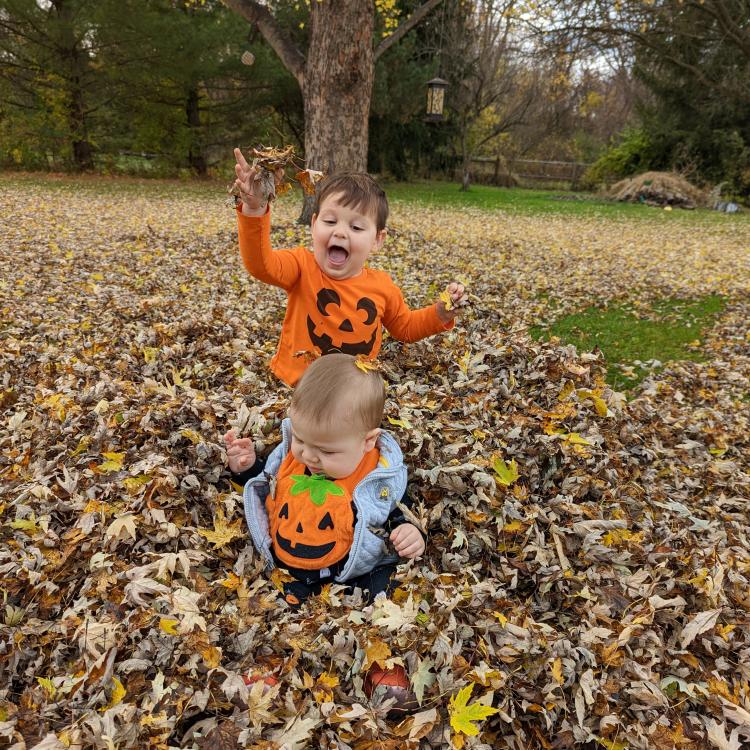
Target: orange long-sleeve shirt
x,y
325,314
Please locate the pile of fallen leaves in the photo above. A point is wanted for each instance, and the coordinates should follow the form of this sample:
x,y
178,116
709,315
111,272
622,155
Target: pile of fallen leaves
x,y
658,189
586,578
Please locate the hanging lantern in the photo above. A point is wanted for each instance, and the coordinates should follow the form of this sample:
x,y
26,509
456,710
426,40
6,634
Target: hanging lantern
x,y
435,99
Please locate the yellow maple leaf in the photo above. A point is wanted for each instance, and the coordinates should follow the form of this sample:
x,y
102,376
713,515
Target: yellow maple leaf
x,y
231,582
113,463
405,423
600,405
447,300
575,439
29,525
192,436
566,390
168,625
149,354
222,533
366,365
463,715
118,693
620,536
49,688
506,473
376,651
211,656
133,484
557,671
279,578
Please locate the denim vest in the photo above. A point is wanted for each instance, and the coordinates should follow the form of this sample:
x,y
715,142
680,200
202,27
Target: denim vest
x,y
374,497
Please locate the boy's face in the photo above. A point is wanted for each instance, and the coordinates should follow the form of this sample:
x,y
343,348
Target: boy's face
x,y
343,238
331,450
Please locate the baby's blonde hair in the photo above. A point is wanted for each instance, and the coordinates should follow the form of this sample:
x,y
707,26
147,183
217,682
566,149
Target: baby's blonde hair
x,y
334,388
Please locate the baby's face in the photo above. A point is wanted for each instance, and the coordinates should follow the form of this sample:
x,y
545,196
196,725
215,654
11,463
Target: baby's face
x,y
331,450
343,238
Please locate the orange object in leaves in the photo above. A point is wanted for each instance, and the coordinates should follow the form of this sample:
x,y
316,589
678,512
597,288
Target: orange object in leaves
x,y
394,683
268,679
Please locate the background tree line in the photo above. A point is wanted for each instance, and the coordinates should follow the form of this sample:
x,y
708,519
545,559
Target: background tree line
x,y
93,84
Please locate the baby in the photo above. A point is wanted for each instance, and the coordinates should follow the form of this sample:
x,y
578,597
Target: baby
x,y
322,502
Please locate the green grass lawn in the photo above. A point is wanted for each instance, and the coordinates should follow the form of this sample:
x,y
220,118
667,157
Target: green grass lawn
x,y
430,193
666,330
522,200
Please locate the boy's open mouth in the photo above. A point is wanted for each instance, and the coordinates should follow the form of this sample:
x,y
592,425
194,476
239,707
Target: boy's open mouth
x,y
337,255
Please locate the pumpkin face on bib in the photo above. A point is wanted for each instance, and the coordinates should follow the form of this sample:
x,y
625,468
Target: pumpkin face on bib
x,y
355,330
311,526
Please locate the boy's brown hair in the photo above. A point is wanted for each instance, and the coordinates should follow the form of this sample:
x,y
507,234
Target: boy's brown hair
x,y
334,388
359,191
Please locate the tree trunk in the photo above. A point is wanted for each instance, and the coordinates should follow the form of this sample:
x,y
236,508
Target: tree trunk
x,y
337,87
83,158
195,154
465,160
74,73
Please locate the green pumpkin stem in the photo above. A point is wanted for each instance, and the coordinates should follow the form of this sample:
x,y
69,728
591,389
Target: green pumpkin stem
x,y
317,485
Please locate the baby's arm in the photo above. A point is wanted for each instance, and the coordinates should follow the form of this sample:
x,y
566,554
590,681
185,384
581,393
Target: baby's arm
x,y
408,541
241,457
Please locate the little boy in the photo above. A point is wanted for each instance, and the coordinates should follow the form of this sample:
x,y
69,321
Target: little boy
x,y
315,505
335,303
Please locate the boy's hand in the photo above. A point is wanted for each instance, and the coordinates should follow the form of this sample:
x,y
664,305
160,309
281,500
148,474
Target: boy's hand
x,y
407,540
457,294
240,452
254,203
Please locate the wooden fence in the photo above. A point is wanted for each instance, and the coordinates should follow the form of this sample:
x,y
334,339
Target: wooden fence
x,y
499,171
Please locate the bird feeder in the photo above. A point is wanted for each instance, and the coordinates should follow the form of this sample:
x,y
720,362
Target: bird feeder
x,y
435,99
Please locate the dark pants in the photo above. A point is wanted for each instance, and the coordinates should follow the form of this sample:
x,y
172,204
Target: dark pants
x,y
372,583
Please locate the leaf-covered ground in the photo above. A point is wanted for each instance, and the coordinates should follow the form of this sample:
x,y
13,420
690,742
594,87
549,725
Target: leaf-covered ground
x,y
600,599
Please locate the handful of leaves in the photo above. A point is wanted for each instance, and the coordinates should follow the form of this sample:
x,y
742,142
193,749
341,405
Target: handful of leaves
x,y
271,164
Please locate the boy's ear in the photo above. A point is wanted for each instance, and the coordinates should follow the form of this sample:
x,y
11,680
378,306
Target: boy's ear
x,y
380,238
371,438
313,220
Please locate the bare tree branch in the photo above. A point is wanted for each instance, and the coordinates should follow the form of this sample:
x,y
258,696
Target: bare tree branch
x,y
281,43
405,27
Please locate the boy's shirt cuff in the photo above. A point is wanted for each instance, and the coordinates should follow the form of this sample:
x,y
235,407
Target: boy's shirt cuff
x,y
444,326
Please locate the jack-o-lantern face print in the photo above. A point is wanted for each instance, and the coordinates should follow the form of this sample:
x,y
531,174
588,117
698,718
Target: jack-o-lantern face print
x,y
351,331
314,523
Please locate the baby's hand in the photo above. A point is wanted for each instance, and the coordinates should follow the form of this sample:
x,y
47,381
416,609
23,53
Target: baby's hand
x,y
407,540
240,452
457,297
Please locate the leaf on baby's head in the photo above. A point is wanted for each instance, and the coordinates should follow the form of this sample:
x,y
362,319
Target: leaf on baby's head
x,y
367,365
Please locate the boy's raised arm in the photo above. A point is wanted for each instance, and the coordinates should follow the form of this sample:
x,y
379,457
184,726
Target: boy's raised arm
x,y
280,268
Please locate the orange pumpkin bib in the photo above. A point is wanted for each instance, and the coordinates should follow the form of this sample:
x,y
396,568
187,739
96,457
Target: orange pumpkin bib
x,y
310,517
